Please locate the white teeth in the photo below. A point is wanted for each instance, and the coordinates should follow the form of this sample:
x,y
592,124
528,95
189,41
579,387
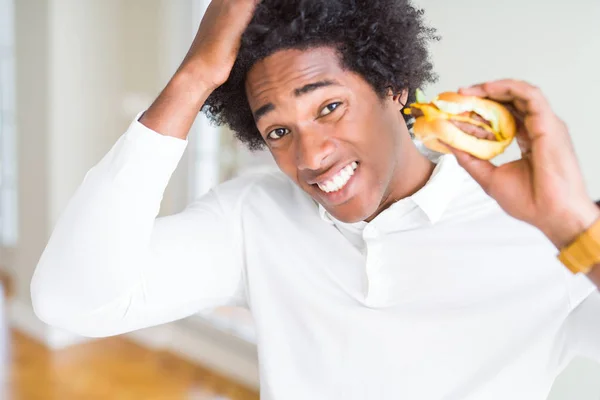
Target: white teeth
x,y
340,180
345,174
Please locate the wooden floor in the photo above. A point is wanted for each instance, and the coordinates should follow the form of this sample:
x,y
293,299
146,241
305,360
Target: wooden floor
x,y
113,368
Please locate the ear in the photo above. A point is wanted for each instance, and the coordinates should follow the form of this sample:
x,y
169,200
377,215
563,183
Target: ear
x,y
399,99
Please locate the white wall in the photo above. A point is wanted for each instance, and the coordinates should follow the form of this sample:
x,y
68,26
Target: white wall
x,y
75,62
32,27
556,46
84,92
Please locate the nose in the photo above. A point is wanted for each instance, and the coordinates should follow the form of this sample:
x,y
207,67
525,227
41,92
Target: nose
x,y
313,148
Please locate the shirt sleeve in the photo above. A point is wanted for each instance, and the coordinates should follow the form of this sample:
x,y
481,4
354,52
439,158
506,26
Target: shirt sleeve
x,y
112,266
583,328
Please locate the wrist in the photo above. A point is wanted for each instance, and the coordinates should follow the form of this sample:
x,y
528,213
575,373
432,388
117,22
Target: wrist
x,y
176,108
594,275
194,82
567,226
199,68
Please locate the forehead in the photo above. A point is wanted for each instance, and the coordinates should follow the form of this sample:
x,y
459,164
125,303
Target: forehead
x,y
286,70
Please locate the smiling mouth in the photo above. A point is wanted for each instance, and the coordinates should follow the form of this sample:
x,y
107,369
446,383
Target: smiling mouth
x,y
340,180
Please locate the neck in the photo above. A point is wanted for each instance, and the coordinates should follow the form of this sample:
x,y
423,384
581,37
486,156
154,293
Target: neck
x,y
406,184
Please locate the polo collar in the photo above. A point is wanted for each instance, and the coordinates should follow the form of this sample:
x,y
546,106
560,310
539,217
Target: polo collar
x,y
433,198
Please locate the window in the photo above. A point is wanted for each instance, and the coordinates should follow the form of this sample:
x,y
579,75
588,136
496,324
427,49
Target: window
x,y
8,162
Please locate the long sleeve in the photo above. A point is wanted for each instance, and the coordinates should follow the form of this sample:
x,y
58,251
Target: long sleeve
x,y
111,266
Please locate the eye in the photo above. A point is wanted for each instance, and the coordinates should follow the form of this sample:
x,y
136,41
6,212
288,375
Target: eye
x,y
278,133
329,108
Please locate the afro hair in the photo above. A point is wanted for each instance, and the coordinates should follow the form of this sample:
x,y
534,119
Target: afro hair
x,y
384,41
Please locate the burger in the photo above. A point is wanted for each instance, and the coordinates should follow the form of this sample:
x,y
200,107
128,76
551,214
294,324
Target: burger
x,y
478,126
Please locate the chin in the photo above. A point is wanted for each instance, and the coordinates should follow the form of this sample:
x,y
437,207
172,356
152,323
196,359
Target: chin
x,y
353,211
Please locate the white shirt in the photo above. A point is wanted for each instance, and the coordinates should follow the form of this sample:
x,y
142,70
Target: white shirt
x,y
441,296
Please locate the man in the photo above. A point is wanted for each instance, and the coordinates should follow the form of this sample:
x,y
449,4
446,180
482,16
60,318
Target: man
x,y
371,271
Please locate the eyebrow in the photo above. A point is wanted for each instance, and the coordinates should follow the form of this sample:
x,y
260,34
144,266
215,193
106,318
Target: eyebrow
x,y
299,92
311,87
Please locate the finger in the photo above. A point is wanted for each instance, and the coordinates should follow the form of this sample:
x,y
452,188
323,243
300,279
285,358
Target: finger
x,y
475,90
524,142
515,111
481,170
526,97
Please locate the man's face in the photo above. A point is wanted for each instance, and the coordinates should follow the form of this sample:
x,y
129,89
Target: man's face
x,y
328,130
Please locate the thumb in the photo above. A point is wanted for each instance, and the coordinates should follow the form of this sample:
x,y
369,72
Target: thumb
x,y
480,170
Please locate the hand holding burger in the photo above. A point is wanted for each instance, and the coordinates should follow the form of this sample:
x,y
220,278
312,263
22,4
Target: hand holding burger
x,y
545,187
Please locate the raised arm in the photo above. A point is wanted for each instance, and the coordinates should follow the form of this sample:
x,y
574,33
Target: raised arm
x,y
110,265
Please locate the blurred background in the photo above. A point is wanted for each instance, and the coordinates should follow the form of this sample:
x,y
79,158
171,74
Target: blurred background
x,y
73,75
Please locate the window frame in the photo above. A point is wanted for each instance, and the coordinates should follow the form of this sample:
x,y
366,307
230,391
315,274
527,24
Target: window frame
x,y
8,129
